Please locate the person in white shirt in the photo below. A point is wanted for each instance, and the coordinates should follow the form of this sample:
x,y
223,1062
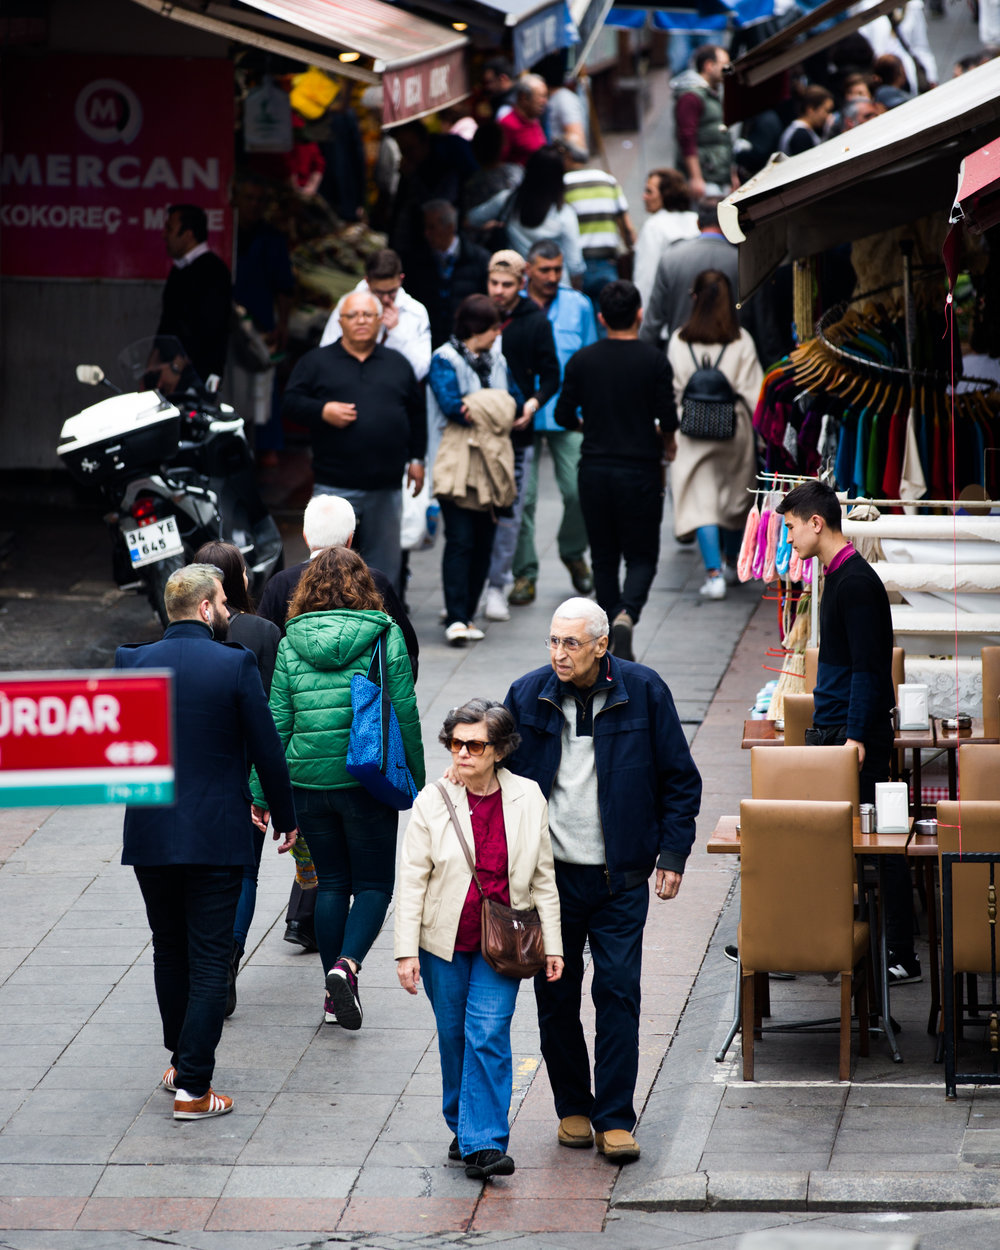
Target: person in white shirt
x,y
406,326
667,199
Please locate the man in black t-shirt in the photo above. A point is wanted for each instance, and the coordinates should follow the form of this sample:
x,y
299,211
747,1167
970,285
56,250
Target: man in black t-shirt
x,y
854,697
620,393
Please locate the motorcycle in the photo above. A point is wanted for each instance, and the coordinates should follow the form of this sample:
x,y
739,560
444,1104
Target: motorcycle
x,y
174,468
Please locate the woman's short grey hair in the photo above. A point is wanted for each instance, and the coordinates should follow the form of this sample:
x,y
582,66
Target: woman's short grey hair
x,y
499,724
594,616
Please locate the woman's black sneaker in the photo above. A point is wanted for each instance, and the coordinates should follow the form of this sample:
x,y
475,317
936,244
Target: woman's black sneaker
x,y
454,1150
482,1164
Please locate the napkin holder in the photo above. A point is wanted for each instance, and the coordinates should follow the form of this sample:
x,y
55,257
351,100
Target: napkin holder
x,y
892,807
912,701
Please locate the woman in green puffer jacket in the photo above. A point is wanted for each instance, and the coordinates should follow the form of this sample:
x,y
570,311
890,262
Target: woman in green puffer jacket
x,y
335,619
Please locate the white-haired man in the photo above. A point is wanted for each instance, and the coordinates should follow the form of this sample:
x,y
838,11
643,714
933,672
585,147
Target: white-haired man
x,y
602,739
368,420
328,521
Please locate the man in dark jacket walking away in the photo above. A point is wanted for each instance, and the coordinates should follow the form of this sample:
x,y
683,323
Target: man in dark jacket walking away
x,y
189,858
444,268
602,739
530,350
198,297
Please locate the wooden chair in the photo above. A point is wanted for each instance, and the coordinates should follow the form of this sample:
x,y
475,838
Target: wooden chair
x,y
808,774
969,826
798,718
979,771
810,928
991,692
812,660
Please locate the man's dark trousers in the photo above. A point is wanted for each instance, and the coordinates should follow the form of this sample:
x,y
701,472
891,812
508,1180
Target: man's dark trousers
x,y
613,923
191,910
622,508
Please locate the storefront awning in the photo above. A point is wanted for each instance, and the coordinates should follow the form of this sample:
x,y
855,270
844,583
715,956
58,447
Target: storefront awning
x,y
890,171
977,203
421,65
695,16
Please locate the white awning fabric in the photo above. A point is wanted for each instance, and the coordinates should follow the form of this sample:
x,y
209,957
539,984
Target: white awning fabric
x,y
892,170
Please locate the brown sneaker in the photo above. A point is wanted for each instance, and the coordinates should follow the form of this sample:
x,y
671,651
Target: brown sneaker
x,y
618,1145
202,1108
575,1132
579,571
523,592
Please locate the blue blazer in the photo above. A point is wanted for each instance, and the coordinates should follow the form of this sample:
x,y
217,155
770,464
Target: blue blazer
x,y
221,718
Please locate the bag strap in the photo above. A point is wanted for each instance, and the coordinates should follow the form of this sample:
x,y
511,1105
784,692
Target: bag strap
x,y
720,355
461,836
381,679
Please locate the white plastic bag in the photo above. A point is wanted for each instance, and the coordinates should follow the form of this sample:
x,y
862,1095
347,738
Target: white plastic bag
x,y
413,532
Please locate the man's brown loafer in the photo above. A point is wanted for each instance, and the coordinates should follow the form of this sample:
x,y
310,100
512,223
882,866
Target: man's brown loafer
x,y
618,1145
575,1131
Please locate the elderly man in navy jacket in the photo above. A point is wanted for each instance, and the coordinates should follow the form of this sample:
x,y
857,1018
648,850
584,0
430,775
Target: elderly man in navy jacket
x,y
602,738
189,858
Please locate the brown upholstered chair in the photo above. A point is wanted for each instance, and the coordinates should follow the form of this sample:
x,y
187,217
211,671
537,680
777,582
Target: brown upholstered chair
x,y
979,771
812,660
898,669
805,773
980,831
808,928
798,718
991,692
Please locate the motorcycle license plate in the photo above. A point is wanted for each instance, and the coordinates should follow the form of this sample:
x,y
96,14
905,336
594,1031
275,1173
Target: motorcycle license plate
x,y
153,542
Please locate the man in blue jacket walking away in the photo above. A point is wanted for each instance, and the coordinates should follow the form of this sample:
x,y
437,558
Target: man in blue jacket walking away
x,y
602,738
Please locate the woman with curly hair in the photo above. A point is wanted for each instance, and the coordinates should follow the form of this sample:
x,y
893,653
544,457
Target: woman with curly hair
x,y
335,619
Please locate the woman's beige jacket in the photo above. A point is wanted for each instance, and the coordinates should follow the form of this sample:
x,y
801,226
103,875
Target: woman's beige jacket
x,y
434,875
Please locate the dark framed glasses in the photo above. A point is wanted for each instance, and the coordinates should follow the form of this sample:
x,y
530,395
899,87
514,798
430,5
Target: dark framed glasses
x,y
475,746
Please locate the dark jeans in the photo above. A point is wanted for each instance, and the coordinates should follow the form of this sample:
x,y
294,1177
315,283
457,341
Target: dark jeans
x,y
613,924
896,878
622,510
352,838
191,910
468,545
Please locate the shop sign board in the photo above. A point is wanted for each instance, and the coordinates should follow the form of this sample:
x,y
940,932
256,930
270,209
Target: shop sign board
x,y
96,148
550,30
423,87
86,737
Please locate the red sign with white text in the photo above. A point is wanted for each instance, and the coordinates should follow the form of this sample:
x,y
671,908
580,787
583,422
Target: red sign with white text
x,y
96,148
86,737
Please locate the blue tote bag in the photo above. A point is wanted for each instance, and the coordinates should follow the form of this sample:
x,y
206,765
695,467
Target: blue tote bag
x,y
375,754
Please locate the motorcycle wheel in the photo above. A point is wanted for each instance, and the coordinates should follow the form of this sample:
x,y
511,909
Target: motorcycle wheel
x,y
157,576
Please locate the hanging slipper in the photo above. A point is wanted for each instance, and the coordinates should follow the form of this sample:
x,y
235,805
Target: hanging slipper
x,y
744,564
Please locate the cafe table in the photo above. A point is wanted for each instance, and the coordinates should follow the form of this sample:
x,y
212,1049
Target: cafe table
x,y
949,740
725,840
761,733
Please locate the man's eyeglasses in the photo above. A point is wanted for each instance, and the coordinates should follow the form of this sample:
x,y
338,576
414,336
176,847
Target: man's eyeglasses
x,y
568,644
474,746
360,316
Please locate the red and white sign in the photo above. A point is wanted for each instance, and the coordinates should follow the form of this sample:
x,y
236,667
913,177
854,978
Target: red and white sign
x,y
96,148
424,87
86,737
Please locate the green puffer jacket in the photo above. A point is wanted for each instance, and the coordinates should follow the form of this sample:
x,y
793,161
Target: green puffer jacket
x,y
311,695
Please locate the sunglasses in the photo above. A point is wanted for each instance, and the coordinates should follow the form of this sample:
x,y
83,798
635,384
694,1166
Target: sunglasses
x,y
473,745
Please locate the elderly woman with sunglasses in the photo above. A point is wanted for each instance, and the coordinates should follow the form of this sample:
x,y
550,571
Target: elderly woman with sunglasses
x,y
438,921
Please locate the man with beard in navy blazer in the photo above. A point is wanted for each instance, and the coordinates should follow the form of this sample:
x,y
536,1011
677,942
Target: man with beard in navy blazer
x,y
189,858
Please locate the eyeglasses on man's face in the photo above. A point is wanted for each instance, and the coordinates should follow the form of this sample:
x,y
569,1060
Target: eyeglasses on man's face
x,y
369,315
475,746
571,645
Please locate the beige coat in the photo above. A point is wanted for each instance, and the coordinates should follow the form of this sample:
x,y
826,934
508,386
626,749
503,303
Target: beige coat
x,y
709,478
474,464
434,875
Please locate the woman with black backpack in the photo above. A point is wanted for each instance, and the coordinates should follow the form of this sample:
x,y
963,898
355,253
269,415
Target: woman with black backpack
x,y
717,378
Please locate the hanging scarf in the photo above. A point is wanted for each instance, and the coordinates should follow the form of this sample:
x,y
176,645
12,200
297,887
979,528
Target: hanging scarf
x,y
480,362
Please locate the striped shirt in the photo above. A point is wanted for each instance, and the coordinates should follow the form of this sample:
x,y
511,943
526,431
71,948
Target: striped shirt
x,y
598,202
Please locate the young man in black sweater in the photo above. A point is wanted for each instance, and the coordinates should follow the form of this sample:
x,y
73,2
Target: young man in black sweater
x,y
854,696
620,393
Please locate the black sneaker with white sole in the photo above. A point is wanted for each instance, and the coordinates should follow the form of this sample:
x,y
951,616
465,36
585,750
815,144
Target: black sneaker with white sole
x,y
904,969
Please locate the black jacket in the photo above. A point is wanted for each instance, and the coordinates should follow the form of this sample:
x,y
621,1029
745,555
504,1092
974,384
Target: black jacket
x,y
530,350
197,309
424,283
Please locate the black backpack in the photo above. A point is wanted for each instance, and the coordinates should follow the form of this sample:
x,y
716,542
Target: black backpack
x,y
708,405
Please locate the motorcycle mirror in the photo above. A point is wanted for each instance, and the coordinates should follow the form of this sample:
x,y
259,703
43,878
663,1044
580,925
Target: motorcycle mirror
x,y
90,375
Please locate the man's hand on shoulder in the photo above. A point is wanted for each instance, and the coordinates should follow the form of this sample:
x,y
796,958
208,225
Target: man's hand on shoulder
x,y
667,883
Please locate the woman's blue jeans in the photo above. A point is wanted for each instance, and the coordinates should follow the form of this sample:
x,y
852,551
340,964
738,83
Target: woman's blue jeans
x,y
248,893
352,839
711,547
473,1006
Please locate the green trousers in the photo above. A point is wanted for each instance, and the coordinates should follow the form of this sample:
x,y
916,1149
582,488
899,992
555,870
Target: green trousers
x,y
572,537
